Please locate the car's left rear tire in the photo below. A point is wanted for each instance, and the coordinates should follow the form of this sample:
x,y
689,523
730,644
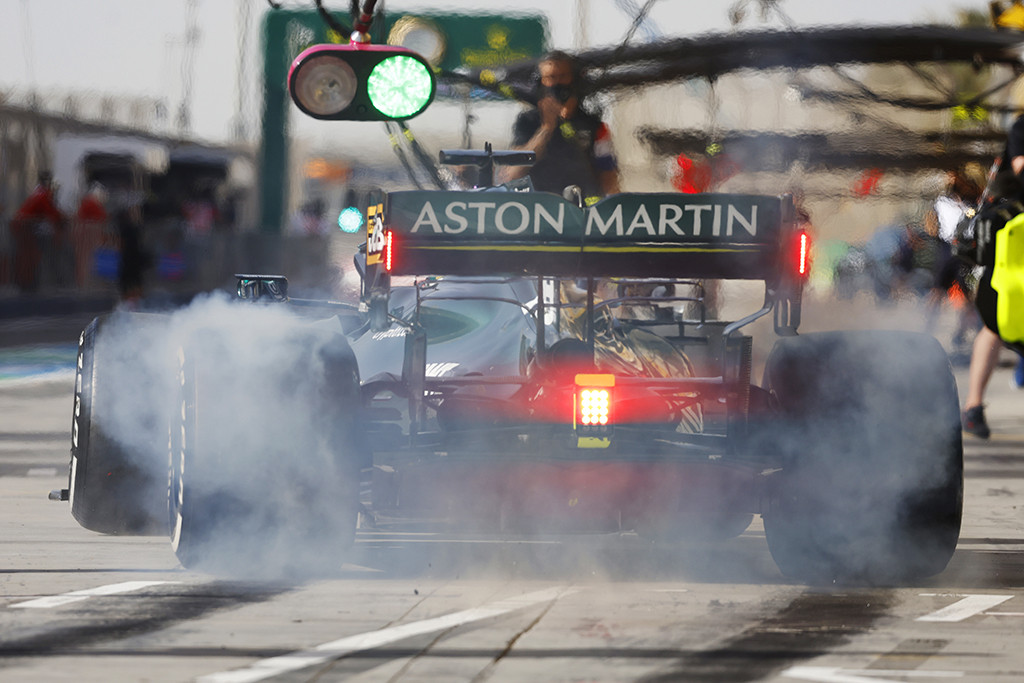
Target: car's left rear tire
x,y
872,485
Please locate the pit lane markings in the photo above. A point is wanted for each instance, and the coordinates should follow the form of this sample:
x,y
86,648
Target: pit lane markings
x,y
76,596
41,472
834,674
336,649
966,607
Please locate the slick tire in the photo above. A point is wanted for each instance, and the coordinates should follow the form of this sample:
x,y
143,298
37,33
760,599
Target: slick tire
x,y
264,467
872,489
115,486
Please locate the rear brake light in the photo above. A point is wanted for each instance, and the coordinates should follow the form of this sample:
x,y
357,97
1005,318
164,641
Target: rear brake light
x,y
593,403
389,250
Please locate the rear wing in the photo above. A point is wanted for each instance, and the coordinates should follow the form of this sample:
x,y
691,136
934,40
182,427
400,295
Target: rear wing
x,y
719,236
645,235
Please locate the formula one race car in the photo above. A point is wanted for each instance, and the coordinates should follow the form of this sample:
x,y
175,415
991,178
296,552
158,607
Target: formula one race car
x,y
520,364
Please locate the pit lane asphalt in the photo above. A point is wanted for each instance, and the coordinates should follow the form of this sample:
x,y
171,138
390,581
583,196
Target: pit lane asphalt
x,y
621,610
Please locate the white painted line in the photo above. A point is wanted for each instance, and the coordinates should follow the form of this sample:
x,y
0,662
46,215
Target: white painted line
x,y
41,472
76,596
670,590
293,661
61,375
834,674
360,568
966,607
1003,614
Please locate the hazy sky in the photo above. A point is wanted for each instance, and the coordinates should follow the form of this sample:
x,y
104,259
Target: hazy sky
x,y
136,47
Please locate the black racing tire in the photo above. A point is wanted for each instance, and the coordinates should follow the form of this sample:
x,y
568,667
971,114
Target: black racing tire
x,y
871,491
117,487
265,456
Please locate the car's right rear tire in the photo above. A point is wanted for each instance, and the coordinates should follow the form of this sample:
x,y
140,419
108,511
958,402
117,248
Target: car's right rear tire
x,y
264,462
116,482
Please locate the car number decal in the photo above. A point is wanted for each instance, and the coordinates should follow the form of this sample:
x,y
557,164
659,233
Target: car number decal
x,y
375,239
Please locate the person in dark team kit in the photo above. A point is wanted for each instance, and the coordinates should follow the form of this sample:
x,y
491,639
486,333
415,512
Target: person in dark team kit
x,y
573,147
1005,187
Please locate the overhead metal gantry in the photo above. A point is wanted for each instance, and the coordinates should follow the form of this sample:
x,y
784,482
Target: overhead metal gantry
x,y
616,70
875,148
713,55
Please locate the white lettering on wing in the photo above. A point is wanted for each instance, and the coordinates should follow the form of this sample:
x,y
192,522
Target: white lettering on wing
x,y
665,221
557,223
461,223
524,218
641,220
427,217
615,220
440,369
481,214
389,334
750,225
697,210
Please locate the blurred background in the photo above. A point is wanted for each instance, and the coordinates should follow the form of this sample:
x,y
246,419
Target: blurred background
x,y
167,133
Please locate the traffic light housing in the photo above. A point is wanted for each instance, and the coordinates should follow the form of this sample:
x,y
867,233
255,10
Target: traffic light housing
x,y
361,82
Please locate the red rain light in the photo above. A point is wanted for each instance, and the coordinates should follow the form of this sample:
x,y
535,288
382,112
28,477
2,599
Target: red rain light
x,y
595,406
803,264
389,250
593,400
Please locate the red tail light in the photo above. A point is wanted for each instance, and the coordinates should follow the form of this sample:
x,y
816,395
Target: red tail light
x,y
803,254
389,250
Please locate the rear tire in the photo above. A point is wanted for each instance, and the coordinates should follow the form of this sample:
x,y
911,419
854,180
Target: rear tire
x,y
872,488
264,470
114,487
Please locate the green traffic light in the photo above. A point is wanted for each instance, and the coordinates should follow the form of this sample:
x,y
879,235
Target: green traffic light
x,y
350,219
400,86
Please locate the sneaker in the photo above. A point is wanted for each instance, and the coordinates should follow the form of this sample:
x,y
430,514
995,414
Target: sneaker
x,y
973,420
1017,379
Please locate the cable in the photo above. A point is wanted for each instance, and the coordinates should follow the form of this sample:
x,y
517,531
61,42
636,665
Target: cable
x,y
638,20
329,19
426,161
396,145
361,26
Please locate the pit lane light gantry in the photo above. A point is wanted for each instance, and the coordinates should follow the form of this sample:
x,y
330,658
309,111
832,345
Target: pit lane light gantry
x,y
361,82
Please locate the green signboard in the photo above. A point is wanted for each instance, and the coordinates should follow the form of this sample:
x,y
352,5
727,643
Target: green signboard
x,y
448,41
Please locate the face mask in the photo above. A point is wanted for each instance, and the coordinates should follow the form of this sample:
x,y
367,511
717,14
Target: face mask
x,y
562,93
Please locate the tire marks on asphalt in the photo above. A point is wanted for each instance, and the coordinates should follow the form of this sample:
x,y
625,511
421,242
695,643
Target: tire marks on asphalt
x,y
810,626
119,615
